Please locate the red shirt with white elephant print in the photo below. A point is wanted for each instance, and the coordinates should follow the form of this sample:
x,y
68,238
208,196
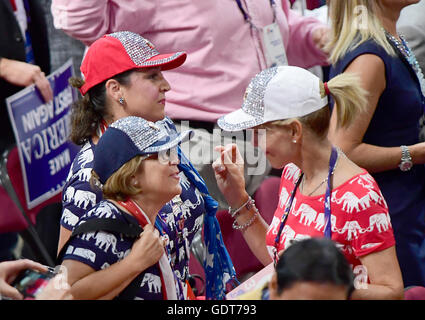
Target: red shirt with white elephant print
x,y
359,216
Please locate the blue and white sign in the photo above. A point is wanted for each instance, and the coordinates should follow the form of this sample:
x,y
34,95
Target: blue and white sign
x,y
42,135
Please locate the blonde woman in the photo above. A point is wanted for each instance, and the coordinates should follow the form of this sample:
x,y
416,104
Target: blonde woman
x,y
322,192
384,138
137,181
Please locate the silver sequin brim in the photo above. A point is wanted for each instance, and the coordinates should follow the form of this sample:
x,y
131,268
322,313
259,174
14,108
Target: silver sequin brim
x,y
238,120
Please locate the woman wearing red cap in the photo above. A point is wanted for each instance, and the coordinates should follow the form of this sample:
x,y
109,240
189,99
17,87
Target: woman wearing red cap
x,y
123,77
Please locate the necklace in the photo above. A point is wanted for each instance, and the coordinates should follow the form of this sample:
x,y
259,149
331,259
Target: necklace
x,y
315,189
324,180
408,54
136,211
327,203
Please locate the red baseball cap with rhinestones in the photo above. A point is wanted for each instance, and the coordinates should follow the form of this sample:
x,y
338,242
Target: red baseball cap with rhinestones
x,y
122,51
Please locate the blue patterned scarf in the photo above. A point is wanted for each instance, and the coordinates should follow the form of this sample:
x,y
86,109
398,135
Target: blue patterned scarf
x,y
218,266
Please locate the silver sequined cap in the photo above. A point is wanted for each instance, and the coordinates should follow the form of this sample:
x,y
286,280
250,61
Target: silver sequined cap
x,y
141,132
129,137
147,136
278,93
253,104
140,49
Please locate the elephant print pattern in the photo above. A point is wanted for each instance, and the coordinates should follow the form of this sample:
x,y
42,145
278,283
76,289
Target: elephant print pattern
x,y
102,249
181,225
182,219
360,222
78,196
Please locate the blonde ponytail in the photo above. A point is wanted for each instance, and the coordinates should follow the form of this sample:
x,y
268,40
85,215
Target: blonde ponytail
x,y
350,98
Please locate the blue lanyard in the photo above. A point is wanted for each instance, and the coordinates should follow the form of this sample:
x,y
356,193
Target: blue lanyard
x,y
328,227
246,16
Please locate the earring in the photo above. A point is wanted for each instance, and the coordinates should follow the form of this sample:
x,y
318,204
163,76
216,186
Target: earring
x,y
121,101
294,141
137,186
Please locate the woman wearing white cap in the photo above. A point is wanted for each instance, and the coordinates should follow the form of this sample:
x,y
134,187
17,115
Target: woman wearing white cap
x,y
322,193
123,77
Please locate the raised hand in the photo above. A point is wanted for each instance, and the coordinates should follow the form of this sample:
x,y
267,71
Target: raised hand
x,y
229,173
24,74
148,249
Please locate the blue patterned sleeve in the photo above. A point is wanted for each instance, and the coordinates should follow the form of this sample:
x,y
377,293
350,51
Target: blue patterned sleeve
x,y
78,197
98,249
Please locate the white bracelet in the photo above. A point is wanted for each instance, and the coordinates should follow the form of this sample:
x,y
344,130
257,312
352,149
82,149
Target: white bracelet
x,y
236,226
234,212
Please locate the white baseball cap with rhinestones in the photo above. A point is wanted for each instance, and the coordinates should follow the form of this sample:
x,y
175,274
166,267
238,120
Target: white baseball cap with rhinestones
x,y
277,93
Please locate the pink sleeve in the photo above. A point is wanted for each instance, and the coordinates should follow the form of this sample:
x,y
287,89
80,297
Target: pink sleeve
x,y
301,50
88,20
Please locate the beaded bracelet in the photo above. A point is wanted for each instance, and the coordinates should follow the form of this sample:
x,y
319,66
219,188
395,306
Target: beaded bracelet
x,y
236,226
234,212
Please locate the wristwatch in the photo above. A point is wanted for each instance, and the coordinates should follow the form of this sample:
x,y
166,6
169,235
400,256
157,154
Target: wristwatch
x,y
406,160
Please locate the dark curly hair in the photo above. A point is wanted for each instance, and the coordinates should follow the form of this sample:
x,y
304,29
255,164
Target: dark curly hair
x,y
88,112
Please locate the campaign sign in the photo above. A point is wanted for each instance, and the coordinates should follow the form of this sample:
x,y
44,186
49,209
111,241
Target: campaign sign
x,y
257,281
42,135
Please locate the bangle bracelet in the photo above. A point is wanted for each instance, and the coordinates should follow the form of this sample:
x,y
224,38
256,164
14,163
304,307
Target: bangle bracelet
x,y
236,226
246,225
234,212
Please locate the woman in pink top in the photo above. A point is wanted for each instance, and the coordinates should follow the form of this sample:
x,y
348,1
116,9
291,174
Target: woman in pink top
x,y
223,41
322,192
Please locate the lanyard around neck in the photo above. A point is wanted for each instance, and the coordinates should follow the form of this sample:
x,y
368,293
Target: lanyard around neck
x,y
140,215
101,128
136,211
246,16
143,220
328,227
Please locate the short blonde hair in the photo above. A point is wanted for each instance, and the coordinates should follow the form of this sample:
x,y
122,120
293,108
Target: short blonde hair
x,y
118,186
348,29
350,100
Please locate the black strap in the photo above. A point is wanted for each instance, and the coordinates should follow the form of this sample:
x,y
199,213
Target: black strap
x,y
111,225
102,224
